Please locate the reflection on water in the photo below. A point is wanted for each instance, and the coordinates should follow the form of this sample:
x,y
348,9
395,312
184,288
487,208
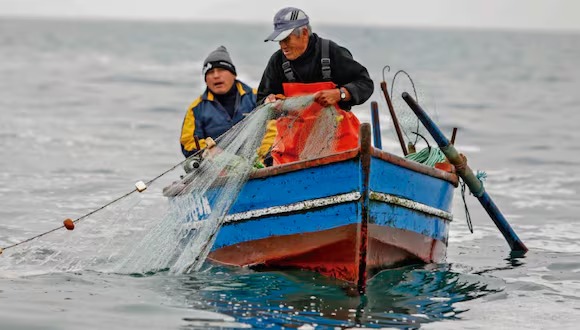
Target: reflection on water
x,y
404,297
514,260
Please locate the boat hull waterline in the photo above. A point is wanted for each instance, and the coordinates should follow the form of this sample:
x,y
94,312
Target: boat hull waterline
x,y
346,216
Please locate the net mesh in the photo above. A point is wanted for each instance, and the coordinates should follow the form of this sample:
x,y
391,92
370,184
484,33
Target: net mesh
x,y
148,232
321,141
415,135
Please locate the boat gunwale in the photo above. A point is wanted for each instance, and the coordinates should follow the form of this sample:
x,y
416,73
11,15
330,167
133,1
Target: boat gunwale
x,y
417,167
351,154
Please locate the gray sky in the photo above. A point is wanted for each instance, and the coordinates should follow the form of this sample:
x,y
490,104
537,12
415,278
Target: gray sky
x,y
513,14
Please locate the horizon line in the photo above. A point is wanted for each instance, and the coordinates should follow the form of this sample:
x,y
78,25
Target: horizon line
x,y
146,19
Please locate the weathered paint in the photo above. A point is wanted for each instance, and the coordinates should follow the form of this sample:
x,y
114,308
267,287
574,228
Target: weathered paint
x,y
312,220
415,167
393,209
401,181
298,186
294,207
399,217
301,212
362,234
412,205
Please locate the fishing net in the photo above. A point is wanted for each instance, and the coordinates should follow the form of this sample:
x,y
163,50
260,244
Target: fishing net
x,y
171,225
319,135
419,144
321,141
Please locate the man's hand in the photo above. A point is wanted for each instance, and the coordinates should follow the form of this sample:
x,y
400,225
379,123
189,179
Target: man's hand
x,y
273,98
210,149
277,103
327,97
270,98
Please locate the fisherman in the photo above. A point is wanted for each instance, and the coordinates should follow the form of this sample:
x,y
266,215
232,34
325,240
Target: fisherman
x,y
224,103
308,64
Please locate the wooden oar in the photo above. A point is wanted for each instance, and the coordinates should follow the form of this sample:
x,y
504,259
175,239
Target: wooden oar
x,y
475,186
394,118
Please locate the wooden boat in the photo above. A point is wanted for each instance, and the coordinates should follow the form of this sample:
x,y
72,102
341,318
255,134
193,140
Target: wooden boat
x,y
346,216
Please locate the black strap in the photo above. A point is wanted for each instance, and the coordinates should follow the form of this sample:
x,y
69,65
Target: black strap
x,y
324,61
288,71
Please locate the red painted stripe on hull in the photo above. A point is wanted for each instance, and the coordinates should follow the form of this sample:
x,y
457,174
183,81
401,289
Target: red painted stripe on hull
x,y
333,252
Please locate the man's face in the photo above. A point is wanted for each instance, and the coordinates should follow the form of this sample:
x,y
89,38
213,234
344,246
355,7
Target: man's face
x,y
219,81
294,46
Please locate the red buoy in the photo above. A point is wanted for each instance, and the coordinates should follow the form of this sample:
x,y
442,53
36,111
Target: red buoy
x,y
69,224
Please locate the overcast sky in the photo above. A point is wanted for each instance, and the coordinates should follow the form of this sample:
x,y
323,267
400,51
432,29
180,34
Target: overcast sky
x,y
518,14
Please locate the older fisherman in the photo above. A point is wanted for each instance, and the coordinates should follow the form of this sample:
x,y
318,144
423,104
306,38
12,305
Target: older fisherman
x,y
308,64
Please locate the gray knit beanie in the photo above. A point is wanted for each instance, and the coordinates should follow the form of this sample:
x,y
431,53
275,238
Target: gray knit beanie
x,y
219,58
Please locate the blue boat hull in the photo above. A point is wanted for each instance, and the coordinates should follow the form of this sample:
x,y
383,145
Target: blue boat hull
x,y
345,216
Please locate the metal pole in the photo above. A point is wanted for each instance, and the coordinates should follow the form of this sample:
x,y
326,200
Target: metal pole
x,y
376,125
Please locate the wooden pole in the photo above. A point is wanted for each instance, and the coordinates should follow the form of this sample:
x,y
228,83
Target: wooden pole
x,y
465,172
394,117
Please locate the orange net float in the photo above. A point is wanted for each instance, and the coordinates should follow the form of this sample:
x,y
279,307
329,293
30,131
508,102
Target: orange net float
x,y
445,166
69,224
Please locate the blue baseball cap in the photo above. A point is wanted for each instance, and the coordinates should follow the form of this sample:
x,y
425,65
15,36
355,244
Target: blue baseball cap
x,y
285,21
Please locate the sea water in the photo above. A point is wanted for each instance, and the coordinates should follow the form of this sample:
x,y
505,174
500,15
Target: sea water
x,y
87,108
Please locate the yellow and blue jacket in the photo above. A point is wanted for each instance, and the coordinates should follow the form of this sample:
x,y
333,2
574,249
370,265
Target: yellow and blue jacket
x,y
206,117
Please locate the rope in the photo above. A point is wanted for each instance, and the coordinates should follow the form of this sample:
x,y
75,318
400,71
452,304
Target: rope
x,y
428,156
100,208
467,215
481,176
78,219
197,153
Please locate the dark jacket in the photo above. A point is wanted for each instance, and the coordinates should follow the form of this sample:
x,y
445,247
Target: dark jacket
x,y
206,117
346,72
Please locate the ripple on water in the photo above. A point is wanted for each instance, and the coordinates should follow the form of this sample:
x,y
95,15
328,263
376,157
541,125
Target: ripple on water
x,y
402,297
